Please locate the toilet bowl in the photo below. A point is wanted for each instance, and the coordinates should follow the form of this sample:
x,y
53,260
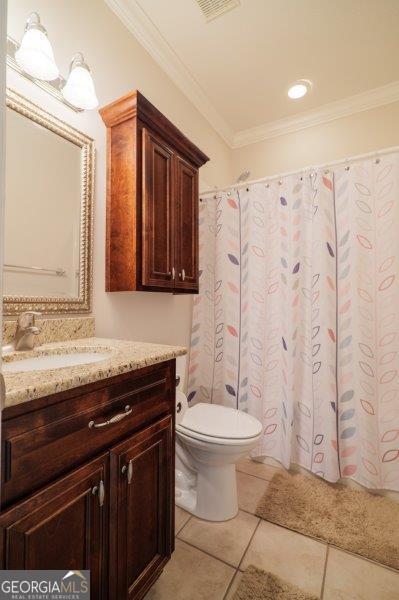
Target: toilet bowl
x,y
210,439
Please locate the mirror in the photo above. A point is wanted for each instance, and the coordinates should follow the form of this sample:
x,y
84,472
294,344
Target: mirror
x,y
48,212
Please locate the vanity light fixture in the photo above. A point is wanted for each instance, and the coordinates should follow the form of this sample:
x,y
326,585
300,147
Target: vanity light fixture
x,y
299,89
33,58
79,88
35,54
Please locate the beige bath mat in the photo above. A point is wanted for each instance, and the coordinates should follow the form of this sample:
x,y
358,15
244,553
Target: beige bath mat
x,y
259,585
350,519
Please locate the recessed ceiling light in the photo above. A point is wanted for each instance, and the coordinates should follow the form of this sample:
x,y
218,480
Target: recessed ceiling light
x,y
299,89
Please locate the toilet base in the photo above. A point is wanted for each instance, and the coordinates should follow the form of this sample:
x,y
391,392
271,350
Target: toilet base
x,y
212,495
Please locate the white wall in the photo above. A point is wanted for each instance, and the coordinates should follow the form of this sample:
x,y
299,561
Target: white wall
x,y
357,134
119,64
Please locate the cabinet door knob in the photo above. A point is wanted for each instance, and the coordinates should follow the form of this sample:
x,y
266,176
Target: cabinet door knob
x,y
99,491
129,470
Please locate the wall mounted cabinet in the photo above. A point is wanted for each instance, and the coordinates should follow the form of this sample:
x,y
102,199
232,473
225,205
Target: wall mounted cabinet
x,y
152,200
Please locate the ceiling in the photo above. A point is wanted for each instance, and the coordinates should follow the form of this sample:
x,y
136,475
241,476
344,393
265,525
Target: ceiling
x,y
237,67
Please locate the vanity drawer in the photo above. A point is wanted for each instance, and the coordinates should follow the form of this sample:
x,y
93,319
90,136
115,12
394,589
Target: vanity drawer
x,y
70,432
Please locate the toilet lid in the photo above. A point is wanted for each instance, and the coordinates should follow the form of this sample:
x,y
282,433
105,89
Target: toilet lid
x,y
218,421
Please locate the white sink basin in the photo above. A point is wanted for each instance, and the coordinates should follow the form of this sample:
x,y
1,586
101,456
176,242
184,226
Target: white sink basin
x,y
54,361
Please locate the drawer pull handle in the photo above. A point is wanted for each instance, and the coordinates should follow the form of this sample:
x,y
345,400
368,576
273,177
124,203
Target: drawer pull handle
x,y
99,491
112,420
129,469
183,274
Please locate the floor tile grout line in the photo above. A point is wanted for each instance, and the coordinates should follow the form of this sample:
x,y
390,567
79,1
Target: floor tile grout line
x,y
249,543
183,526
321,541
230,584
325,542
324,574
361,557
208,553
256,476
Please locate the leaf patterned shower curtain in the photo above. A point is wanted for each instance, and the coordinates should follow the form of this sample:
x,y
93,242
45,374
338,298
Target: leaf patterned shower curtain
x,y
297,319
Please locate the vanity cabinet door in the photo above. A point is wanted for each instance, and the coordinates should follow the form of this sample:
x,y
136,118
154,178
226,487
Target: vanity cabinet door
x,y
61,527
141,530
158,251
186,225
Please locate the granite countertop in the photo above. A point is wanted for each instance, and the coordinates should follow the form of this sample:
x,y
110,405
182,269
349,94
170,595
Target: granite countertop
x,y
125,356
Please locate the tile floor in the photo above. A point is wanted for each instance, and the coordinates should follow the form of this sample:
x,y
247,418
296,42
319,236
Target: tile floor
x,y
210,557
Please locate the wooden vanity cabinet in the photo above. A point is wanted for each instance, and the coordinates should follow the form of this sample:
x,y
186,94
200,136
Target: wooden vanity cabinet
x,y
98,498
152,200
64,526
142,538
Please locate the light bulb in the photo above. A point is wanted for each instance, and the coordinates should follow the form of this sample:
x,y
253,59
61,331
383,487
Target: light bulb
x,y
79,88
35,55
299,89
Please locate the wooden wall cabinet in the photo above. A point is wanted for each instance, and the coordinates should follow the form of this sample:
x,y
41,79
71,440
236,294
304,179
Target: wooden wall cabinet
x,y
79,497
152,200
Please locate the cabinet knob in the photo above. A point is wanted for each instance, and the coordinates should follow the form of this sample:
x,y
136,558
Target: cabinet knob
x,y
99,491
183,275
129,470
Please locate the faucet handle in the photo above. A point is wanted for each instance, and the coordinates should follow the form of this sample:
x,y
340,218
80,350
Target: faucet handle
x,y
27,318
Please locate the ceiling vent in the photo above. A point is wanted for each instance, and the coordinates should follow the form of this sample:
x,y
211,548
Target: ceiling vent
x,y
211,9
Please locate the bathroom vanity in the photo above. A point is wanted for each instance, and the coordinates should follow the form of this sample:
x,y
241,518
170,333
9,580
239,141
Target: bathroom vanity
x,y
88,470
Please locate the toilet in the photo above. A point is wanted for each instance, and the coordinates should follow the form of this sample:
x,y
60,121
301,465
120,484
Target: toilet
x,y
210,439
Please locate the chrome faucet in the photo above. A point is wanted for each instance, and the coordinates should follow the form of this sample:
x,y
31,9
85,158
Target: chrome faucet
x,y
26,330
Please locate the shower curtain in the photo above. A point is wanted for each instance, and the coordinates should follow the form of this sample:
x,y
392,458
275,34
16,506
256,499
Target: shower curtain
x,y
297,319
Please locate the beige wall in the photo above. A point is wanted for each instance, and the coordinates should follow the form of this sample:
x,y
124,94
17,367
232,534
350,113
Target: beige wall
x,y
3,18
357,134
119,64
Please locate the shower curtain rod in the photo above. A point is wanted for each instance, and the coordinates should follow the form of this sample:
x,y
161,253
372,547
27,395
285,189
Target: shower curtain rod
x,y
375,153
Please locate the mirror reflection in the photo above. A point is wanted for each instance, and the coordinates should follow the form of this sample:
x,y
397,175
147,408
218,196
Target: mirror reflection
x,y
42,211
48,212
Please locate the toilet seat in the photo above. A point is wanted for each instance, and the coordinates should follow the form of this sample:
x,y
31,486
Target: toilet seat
x,y
217,424
212,441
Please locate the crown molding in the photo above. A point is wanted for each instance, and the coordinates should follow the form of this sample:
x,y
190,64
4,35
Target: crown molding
x,y
140,25
328,112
